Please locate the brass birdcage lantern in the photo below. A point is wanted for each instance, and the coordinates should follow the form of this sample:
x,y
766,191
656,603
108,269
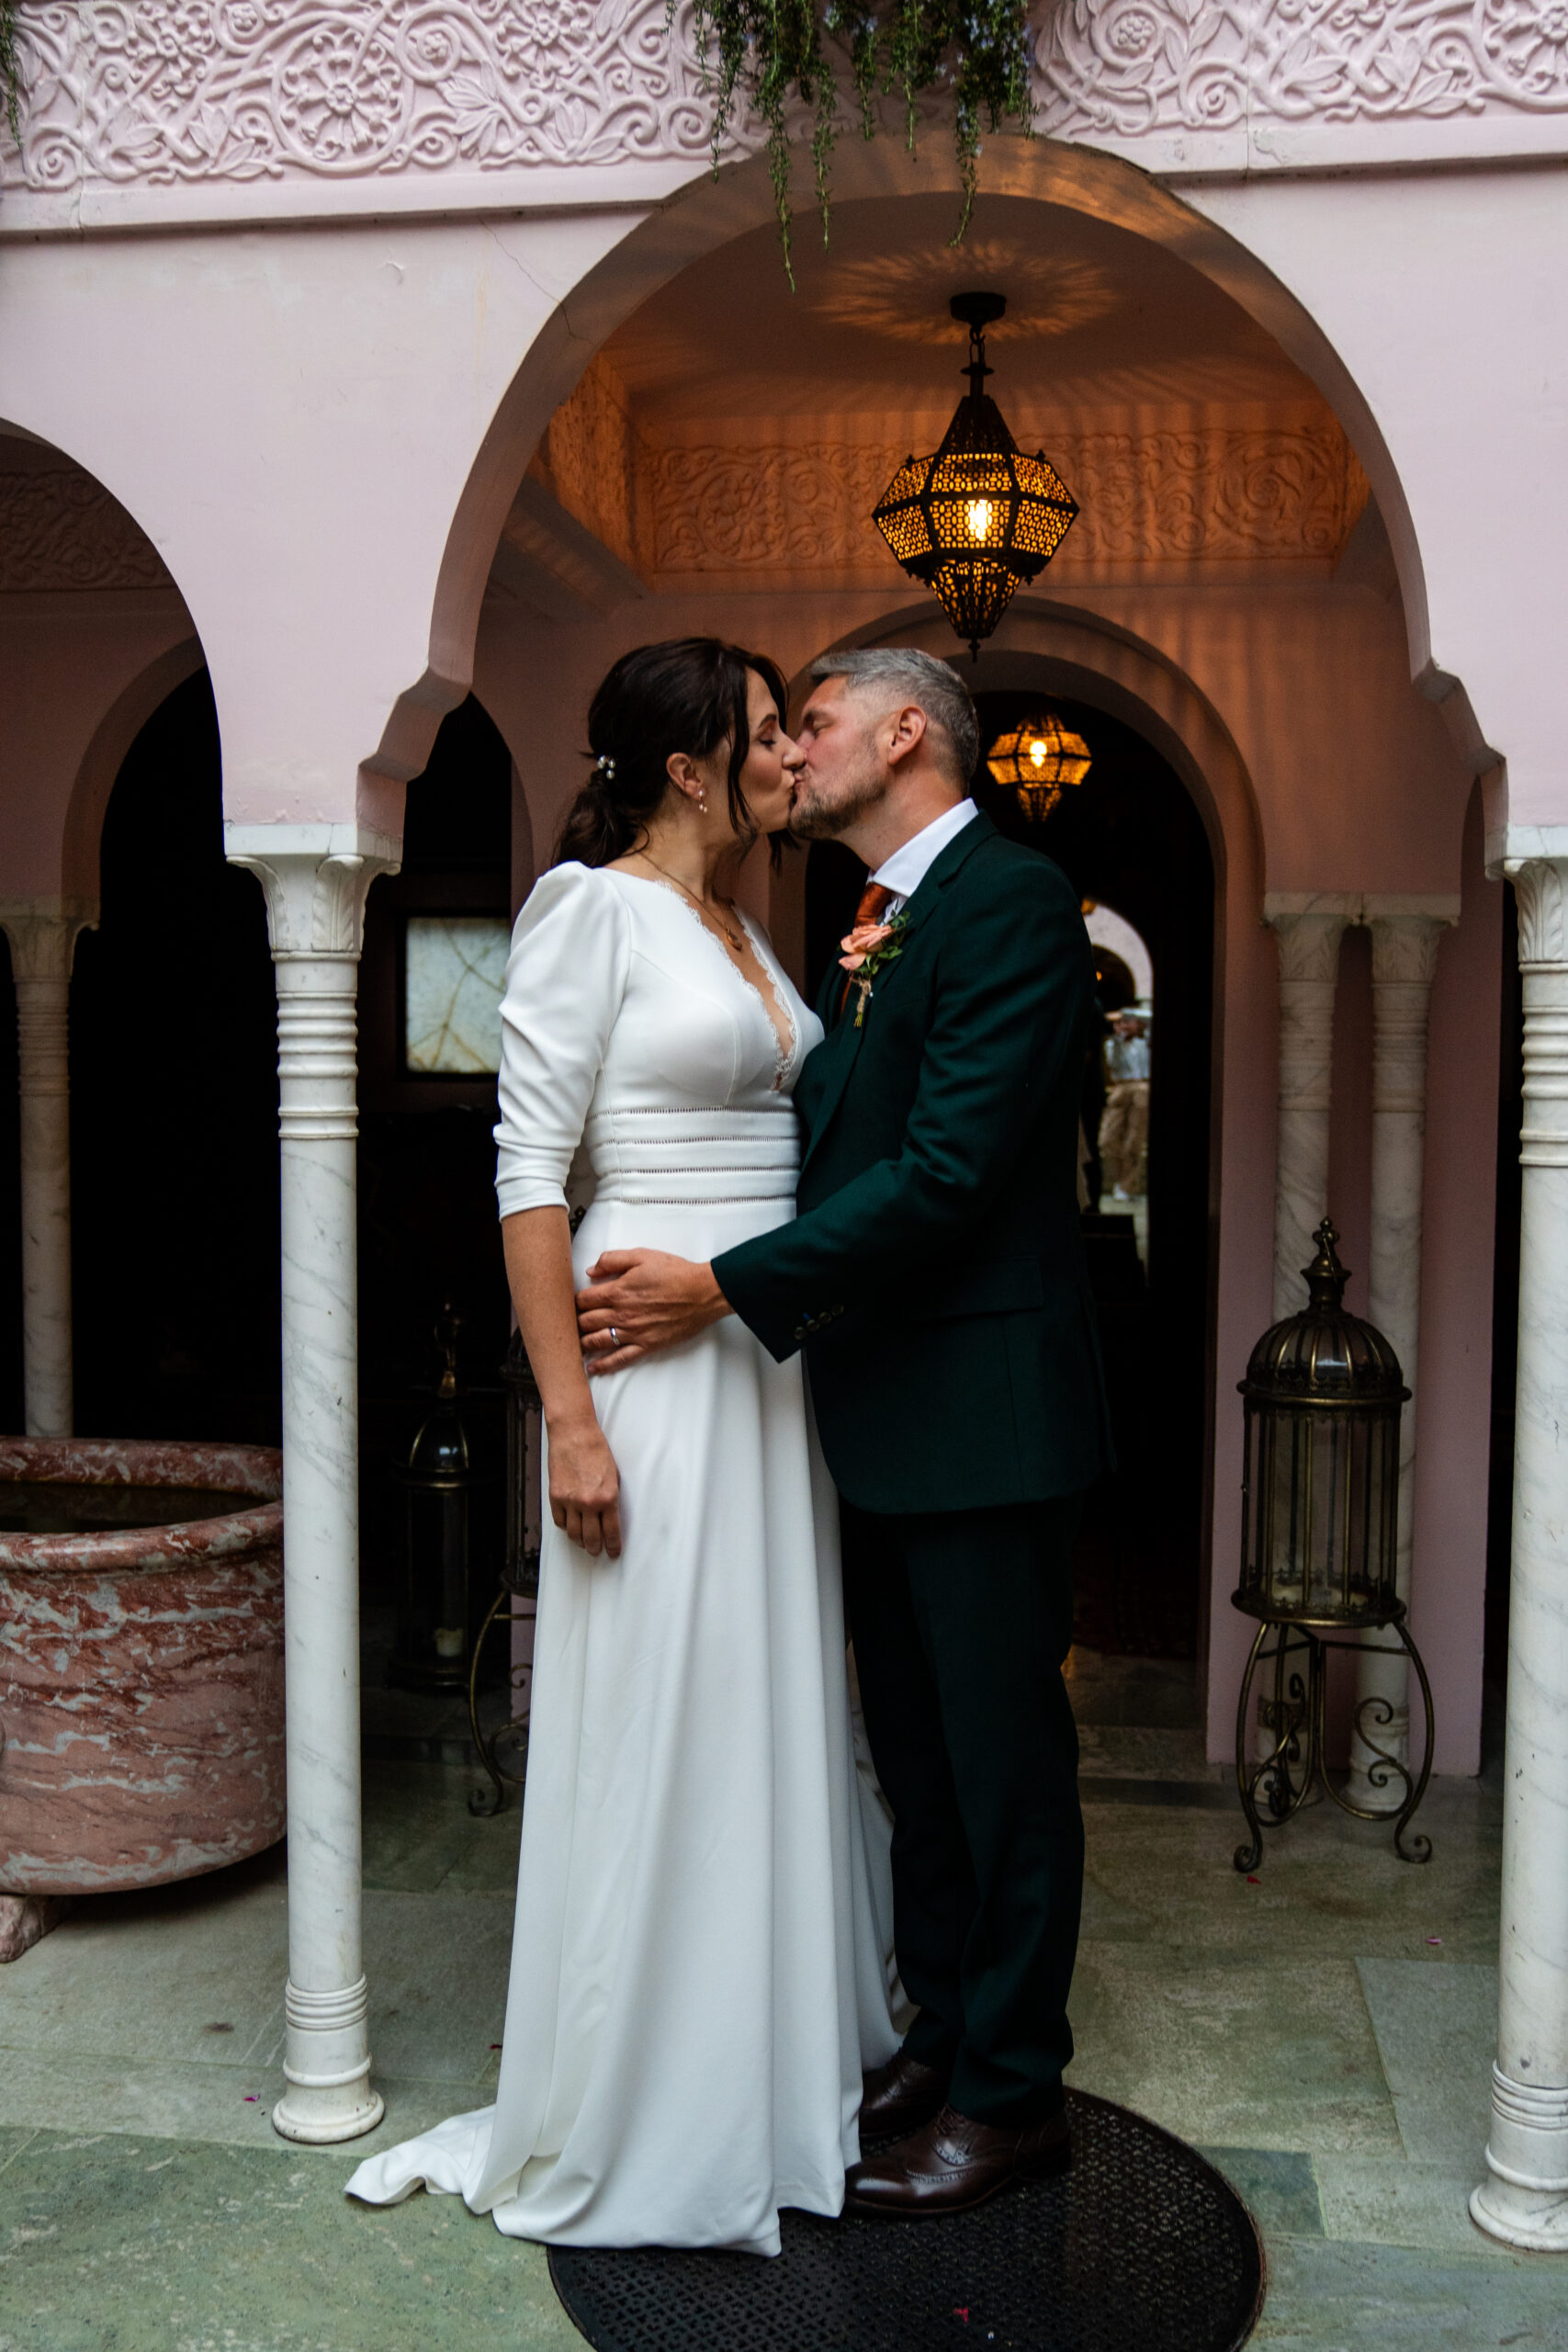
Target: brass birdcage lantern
x,y
978,518
439,1487
1320,1529
1039,760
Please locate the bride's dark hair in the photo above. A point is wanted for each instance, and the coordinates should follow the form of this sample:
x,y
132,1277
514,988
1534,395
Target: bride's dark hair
x,y
686,694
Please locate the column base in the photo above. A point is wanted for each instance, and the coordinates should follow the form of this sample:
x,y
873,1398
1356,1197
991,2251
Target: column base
x,y
1525,2202
327,2068
317,2116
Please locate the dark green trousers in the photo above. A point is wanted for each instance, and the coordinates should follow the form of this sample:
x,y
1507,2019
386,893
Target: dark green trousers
x,y
961,1622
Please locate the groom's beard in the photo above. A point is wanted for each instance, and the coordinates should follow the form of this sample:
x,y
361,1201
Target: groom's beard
x,y
813,819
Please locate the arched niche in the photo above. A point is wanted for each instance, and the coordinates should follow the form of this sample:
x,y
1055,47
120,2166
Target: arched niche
x,y
1057,650
709,213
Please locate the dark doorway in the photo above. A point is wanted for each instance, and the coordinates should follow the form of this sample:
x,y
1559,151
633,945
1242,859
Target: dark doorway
x,y
1128,838
173,1110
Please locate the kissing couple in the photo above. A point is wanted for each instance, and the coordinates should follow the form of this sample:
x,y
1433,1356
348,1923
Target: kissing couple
x,y
833,1309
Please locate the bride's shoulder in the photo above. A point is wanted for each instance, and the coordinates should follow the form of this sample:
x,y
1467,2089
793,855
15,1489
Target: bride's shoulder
x,y
572,909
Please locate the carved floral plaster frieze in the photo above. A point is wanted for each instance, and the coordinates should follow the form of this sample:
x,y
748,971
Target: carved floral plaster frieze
x,y
59,528
1211,493
127,96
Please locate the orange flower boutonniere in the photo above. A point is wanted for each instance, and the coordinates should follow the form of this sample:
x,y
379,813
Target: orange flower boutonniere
x,y
867,949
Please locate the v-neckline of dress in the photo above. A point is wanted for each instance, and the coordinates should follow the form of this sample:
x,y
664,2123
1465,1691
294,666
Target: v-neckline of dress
x,y
784,1052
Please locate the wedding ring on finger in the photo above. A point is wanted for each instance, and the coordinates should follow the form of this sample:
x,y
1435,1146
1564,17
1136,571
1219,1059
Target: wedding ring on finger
x,y
614,1340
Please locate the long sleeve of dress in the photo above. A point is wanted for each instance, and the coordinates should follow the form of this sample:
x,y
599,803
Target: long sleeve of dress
x,y
564,979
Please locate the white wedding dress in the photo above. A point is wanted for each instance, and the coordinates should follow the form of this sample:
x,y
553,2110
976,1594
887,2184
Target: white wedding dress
x,y
697,1966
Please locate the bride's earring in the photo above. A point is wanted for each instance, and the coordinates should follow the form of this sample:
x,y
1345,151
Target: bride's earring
x,y
702,804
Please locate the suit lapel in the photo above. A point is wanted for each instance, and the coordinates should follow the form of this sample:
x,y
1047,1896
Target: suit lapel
x,y
843,1040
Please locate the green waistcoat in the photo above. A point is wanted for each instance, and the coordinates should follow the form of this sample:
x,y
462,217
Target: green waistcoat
x,y
935,1273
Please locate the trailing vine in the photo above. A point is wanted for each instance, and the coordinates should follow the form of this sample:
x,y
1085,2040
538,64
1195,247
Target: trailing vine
x,y
11,68
978,50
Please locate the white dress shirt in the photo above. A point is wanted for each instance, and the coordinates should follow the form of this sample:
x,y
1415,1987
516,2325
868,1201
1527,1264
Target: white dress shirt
x,y
904,872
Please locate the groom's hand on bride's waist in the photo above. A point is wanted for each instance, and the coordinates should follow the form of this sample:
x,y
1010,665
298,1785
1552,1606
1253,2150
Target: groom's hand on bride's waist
x,y
638,1301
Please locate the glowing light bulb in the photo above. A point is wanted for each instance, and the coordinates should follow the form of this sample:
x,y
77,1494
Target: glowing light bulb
x,y
1037,753
979,517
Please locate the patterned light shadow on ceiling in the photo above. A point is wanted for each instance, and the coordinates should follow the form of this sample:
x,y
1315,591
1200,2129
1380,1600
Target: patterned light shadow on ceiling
x,y
903,297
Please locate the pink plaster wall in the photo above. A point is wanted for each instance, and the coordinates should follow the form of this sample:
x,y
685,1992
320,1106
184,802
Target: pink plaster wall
x,y
1453,1435
80,676
1350,1115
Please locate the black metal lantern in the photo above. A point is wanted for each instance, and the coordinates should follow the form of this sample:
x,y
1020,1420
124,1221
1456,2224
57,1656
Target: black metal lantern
x,y
435,1585
978,518
503,1748
1039,760
1320,1515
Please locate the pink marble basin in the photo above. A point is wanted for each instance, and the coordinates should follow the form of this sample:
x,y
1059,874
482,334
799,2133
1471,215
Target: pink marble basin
x,y
141,1667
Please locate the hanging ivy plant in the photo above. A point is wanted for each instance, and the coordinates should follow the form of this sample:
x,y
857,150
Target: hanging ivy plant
x,y
769,50
11,68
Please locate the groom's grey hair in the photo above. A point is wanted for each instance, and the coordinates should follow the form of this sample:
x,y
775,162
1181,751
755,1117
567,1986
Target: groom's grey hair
x,y
906,675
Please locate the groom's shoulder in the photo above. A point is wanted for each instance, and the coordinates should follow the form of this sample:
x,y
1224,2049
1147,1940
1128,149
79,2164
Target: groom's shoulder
x,y
1010,870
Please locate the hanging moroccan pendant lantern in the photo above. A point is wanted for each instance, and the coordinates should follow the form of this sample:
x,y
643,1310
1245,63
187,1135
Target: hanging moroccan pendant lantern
x,y
1038,760
978,518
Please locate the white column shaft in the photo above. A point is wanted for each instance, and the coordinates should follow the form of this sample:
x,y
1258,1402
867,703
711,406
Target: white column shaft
x,y
1405,955
43,936
1524,2200
315,906
1309,965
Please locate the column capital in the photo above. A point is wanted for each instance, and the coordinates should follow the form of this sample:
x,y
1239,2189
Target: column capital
x,y
1540,889
315,879
1405,944
43,933
1310,925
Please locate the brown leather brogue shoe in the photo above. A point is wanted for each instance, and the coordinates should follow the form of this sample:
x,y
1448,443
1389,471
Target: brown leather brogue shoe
x,y
953,2164
898,2098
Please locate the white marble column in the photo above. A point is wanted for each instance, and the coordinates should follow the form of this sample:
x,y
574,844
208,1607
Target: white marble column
x,y
315,902
1310,927
1405,936
1524,2200
43,933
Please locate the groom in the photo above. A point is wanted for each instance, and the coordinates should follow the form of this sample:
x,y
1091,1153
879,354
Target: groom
x,y
935,1277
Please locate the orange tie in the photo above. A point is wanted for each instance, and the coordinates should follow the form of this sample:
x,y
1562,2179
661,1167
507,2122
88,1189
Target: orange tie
x,y
874,900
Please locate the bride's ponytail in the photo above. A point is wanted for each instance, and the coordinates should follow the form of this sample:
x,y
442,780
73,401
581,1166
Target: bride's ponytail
x,y
688,694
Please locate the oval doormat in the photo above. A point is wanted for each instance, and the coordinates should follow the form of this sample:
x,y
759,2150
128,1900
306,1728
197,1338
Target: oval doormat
x,y
1140,2247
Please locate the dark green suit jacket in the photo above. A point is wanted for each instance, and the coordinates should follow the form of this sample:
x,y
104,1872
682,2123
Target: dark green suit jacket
x,y
935,1273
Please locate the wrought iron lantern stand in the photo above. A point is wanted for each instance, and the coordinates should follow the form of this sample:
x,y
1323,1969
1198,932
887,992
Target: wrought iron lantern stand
x,y
504,1750
1320,1506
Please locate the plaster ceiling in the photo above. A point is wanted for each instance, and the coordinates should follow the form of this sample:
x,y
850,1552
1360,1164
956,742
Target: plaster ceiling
x,y
1098,321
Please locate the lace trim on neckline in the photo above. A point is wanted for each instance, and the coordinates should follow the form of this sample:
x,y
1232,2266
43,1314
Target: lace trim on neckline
x,y
784,1055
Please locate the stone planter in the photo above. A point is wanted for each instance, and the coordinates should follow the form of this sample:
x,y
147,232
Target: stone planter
x,y
141,1677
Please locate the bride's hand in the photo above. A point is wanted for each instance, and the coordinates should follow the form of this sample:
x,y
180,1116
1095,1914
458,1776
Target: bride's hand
x,y
638,1300
585,1486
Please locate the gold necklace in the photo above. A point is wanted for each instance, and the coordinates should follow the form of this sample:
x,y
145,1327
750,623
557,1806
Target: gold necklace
x,y
705,913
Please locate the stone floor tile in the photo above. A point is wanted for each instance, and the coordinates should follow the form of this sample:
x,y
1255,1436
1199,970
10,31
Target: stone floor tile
x,y
1278,2186
1384,2202
1437,2030
1272,2056
1327,1886
419,1833
180,2248
1327,2296
438,1967
185,1974
230,2105
1143,1691
1141,1752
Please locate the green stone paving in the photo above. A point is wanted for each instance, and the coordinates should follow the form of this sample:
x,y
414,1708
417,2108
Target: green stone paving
x,y
1323,2036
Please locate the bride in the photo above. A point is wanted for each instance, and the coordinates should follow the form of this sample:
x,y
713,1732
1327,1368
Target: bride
x,y
697,1977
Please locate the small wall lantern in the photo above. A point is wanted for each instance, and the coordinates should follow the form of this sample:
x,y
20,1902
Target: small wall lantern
x,y
503,1748
1320,1518
1037,759
436,1525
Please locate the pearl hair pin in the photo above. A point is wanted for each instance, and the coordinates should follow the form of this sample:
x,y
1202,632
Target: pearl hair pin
x,y
606,766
